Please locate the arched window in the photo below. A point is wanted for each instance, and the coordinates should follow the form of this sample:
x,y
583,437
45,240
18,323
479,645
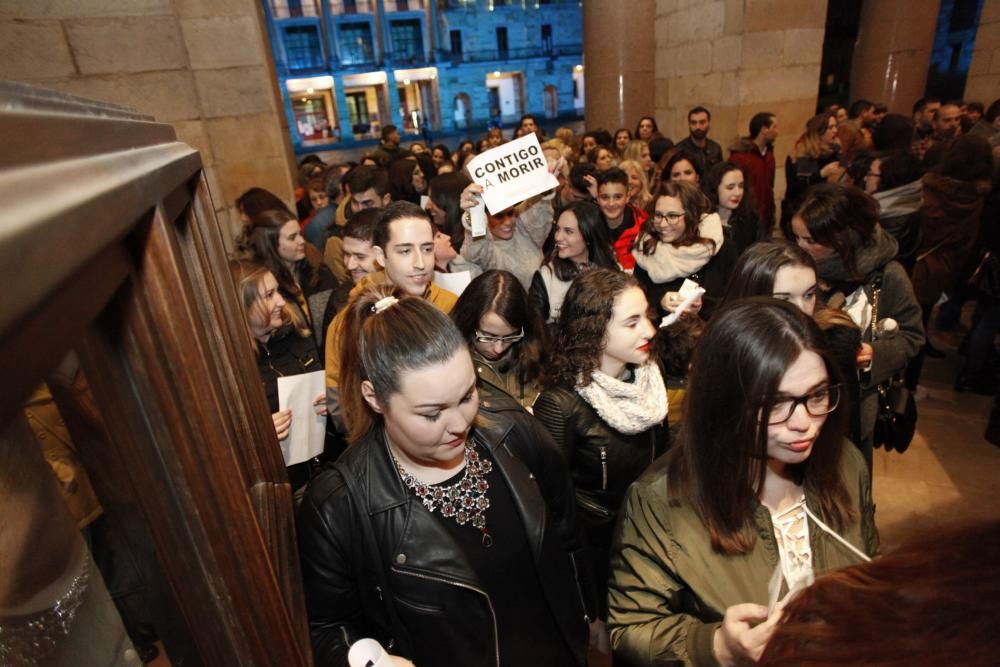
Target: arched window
x,y
463,111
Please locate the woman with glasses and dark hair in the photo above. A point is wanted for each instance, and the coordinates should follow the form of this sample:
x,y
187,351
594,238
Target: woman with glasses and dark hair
x,y
604,400
761,494
506,336
681,239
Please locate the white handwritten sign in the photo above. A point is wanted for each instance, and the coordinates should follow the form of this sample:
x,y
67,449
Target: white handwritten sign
x,y
512,173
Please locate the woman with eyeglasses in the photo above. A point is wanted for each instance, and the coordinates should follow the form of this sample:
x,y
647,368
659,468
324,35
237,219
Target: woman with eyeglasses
x,y
682,238
506,336
761,495
604,400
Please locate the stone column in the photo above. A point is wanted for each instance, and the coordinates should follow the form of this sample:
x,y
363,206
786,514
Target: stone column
x,y
203,66
738,58
983,82
619,73
893,52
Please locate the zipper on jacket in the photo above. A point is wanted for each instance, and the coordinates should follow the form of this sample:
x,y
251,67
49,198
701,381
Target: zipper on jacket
x,y
489,602
604,468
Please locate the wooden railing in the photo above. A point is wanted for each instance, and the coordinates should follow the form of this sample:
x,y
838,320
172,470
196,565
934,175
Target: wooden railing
x,y
109,248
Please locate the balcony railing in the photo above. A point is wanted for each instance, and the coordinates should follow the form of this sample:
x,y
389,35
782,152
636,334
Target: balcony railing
x,y
344,7
488,55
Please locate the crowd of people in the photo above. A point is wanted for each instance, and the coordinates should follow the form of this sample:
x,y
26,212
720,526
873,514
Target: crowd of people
x,y
646,422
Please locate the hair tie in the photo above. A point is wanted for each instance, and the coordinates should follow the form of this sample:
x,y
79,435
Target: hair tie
x,y
383,303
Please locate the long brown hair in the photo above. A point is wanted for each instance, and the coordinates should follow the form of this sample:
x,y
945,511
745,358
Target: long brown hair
x,y
247,277
379,347
721,461
810,143
695,204
933,601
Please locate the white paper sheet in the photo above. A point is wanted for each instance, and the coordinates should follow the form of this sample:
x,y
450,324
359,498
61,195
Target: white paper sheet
x,y
453,282
512,172
305,438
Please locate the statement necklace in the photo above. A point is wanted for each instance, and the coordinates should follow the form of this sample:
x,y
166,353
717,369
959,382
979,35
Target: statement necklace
x,y
465,500
31,640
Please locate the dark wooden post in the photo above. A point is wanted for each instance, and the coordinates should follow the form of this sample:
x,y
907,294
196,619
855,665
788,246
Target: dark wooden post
x,y
114,252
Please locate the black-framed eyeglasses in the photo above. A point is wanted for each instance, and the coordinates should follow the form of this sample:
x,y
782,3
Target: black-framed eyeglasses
x,y
669,217
490,340
818,403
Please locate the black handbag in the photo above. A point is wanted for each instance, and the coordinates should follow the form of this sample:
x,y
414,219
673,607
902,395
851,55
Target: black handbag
x,y
896,419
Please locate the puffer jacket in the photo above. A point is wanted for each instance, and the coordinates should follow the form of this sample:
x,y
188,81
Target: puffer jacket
x,y
669,589
426,574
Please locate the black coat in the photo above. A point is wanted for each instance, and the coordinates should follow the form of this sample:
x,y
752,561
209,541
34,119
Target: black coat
x,y
287,353
422,564
714,277
603,463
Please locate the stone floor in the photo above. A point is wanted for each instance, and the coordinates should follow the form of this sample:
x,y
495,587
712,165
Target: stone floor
x,y
950,472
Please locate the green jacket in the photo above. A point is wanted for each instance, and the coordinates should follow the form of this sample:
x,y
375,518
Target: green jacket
x,y
500,376
669,589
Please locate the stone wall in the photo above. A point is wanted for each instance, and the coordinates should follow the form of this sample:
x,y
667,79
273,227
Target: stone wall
x,y
200,65
738,57
983,82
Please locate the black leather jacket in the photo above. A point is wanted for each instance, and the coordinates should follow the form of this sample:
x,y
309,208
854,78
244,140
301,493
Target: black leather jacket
x,y
602,461
442,615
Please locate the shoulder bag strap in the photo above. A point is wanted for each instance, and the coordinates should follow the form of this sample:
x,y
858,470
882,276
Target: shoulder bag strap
x,y
876,292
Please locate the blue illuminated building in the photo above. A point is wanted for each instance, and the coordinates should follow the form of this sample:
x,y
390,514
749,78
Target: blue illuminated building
x,y
437,67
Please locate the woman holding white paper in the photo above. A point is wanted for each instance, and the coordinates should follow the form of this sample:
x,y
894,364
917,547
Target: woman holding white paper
x,y
515,237
682,239
284,345
761,493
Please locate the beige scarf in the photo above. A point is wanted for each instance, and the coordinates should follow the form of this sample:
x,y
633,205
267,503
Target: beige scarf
x,y
628,407
669,262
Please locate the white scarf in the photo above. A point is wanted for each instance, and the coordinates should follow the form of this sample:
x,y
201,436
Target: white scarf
x,y
628,407
669,262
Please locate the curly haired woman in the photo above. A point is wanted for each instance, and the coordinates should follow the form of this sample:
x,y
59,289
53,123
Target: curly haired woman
x,y
604,400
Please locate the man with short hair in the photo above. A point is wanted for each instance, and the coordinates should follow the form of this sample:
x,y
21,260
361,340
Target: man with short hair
x,y
947,121
755,154
388,148
357,258
365,187
528,125
697,142
403,244
369,188
623,219
923,114
861,114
